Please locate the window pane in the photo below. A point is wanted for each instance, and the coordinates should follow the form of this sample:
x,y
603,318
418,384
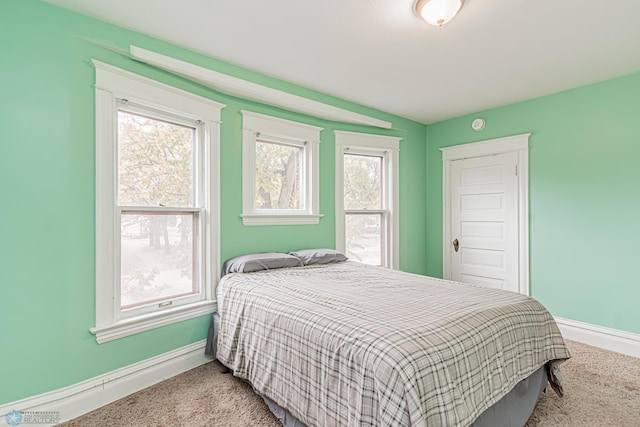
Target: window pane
x,y
158,257
278,176
155,162
364,238
362,182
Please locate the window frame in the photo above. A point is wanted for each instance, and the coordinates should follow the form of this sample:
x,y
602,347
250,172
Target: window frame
x,y
113,84
386,147
271,129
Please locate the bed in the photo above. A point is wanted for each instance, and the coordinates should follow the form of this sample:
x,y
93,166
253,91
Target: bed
x,y
340,343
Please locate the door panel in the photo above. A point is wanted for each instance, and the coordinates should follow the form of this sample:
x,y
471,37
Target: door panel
x,y
482,229
483,281
484,219
483,202
482,258
474,176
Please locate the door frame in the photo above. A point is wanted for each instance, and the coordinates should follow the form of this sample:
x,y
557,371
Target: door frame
x,y
515,143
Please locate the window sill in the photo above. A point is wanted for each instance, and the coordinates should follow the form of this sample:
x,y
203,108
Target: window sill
x,y
150,321
281,219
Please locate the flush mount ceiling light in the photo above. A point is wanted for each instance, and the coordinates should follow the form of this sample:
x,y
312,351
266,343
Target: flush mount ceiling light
x,y
438,12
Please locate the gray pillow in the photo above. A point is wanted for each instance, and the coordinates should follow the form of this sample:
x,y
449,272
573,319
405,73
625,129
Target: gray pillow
x,y
319,256
261,261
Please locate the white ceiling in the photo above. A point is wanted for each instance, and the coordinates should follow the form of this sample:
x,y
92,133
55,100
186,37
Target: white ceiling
x,y
380,54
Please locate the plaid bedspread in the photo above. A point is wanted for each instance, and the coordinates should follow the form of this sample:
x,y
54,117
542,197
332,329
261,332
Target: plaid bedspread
x,y
351,345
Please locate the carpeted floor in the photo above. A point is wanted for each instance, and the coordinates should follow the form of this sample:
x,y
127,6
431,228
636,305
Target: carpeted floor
x,y
602,388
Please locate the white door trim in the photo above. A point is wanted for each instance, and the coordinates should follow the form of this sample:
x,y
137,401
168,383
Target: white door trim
x,y
517,143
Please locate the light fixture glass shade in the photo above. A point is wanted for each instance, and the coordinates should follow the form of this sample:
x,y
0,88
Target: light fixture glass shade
x,y
438,12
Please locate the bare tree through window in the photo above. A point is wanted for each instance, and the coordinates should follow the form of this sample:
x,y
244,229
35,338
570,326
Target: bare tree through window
x,y
158,247
278,175
364,208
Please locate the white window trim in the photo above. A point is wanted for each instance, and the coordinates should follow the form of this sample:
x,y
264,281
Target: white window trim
x,y
253,125
113,83
353,142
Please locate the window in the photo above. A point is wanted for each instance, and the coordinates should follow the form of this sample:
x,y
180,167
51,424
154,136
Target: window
x,y
160,209
367,197
364,211
156,204
279,175
280,171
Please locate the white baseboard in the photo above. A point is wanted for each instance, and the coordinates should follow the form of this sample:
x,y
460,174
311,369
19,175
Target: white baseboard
x,y
78,399
599,336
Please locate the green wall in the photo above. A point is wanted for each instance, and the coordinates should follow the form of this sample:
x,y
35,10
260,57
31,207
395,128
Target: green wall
x,y
584,198
47,168
584,195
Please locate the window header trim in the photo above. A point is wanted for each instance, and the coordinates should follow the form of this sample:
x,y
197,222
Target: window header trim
x,y
279,128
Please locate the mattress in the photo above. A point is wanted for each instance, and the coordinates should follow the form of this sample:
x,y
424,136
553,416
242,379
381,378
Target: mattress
x,y
349,344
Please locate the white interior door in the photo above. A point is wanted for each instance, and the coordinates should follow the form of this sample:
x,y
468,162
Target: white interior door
x,y
484,221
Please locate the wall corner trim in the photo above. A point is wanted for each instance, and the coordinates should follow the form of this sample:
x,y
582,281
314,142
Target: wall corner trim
x,y
599,336
253,91
83,397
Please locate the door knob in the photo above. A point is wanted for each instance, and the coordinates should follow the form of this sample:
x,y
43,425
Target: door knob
x,y
456,245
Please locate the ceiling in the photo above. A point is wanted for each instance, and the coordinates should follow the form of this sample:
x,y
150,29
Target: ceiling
x,y
378,53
